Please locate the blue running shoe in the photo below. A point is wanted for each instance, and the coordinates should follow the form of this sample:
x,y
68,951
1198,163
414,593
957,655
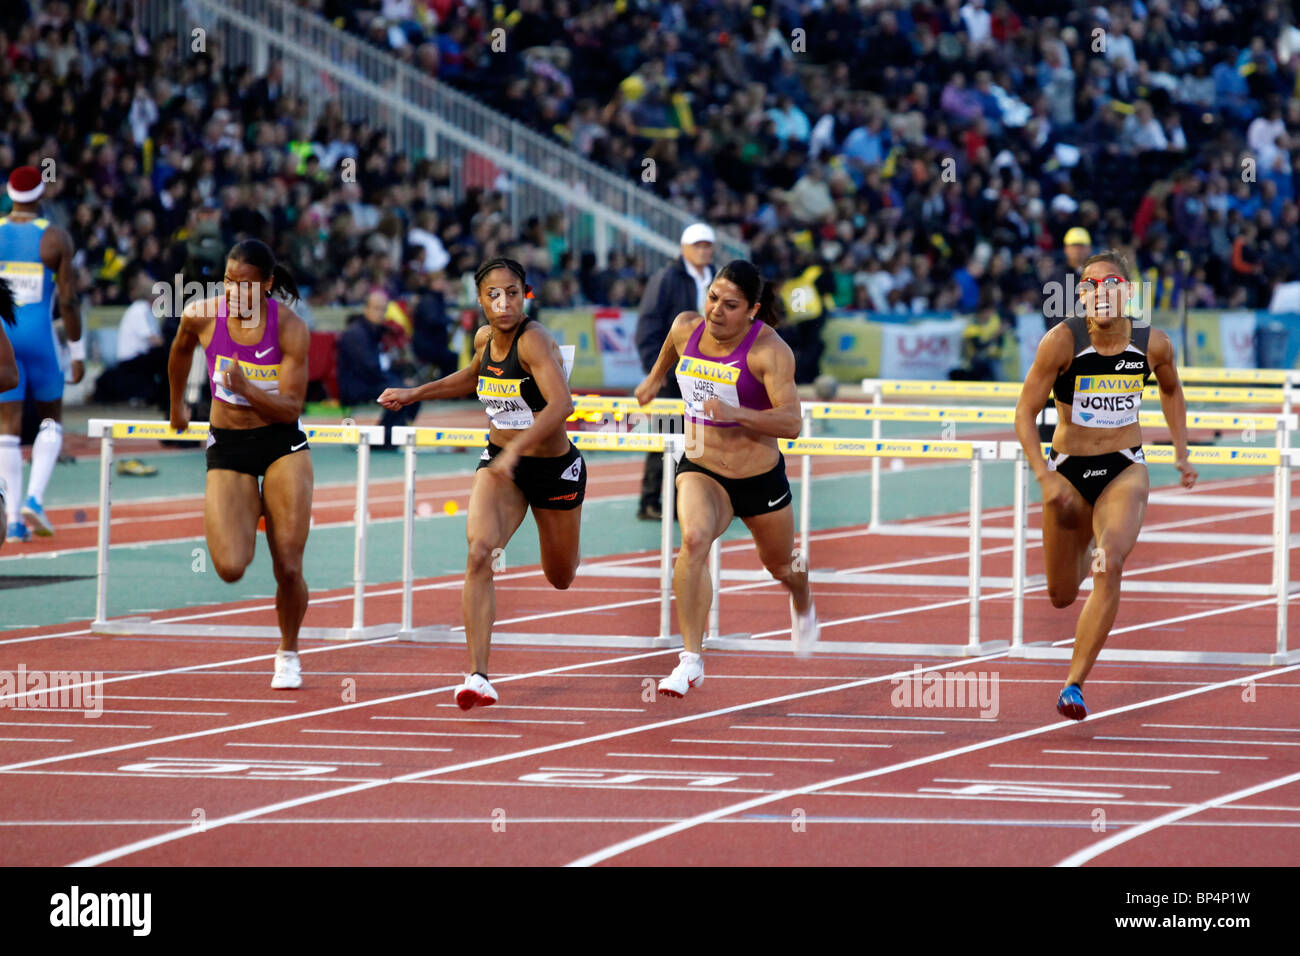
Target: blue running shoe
x,y
34,513
1070,703
18,532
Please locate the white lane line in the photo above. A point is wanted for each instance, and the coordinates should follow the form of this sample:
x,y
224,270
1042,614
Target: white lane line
x,y
423,775
1271,730
1137,753
207,700
611,710
262,760
167,775
88,722
267,721
835,730
669,772
405,733
1064,766
776,743
632,843
1055,783
1202,740
977,720
172,713
485,720
440,750
35,740
613,753
1104,846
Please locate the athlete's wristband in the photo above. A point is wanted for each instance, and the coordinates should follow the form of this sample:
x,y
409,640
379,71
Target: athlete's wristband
x,y
77,350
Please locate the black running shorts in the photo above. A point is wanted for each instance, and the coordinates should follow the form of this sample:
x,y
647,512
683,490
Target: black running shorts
x,y
251,451
756,495
1090,474
555,484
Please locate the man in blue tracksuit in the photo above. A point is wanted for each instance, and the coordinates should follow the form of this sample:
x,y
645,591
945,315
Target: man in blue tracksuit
x,y
36,261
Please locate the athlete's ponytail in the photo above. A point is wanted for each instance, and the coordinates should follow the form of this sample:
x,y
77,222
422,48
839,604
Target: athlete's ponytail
x,y
258,254
8,305
755,289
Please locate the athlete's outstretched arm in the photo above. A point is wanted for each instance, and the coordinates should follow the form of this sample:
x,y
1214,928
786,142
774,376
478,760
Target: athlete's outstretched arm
x,y
456,385
1160,353
774,367
295,338
668,355
194,319
1052,356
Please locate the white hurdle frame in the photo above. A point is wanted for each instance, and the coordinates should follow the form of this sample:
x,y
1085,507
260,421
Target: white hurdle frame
x,y
408,438
107,430
1279,588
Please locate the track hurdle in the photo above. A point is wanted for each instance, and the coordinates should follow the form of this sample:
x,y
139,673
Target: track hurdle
x,y
974,452
1282,460
109,431
413,438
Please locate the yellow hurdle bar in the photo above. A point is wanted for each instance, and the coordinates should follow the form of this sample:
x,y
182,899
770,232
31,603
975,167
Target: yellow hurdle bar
x,y
869,448
1011,390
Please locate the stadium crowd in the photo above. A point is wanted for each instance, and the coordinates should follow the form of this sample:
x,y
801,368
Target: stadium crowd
x,y
894,156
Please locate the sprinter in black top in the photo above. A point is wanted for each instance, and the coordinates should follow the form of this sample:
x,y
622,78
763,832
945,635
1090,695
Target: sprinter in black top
x,y
1097,365
518,374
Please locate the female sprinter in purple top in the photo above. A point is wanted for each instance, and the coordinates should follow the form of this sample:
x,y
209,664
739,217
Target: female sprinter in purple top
x,y
529,462
737,379
257,362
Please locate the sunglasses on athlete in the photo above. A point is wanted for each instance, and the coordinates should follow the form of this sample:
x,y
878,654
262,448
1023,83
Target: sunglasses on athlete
x,y
1107,281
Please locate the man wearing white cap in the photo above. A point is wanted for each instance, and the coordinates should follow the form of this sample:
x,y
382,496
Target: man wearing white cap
x,y
34,256
678,287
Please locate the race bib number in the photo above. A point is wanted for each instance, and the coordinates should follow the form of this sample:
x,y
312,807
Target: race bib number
x,y
265,377
700,379
27,279
503,398
1106,401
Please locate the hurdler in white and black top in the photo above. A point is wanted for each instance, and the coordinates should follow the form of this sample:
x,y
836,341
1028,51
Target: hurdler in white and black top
x,y
512,399
1103,391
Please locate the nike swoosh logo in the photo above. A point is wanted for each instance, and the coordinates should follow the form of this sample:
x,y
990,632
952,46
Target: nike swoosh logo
x,y
771,504
296,447
265,351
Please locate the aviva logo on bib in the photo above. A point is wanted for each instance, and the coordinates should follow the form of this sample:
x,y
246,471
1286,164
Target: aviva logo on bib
x,y
499,387
1110,384
261,375
709,371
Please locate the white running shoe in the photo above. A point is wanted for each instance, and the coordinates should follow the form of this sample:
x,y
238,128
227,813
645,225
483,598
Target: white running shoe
x,y
687,674
475,692
288,671
804,630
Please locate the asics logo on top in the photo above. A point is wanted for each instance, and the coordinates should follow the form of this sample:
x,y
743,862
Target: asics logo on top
x,y
1121,365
